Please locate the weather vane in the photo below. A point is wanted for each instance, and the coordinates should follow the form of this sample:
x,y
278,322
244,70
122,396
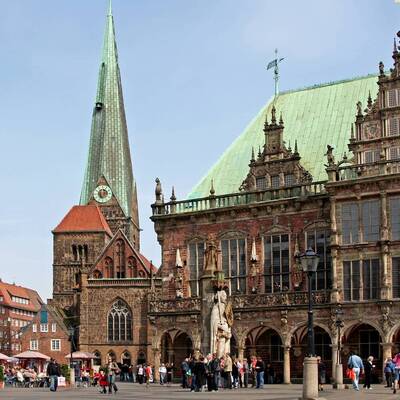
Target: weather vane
x,y
275,64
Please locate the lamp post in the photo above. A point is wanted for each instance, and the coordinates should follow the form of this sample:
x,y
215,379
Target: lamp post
x,y
309,263
71,331
339,367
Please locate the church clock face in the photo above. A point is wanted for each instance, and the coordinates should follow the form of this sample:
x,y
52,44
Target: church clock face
x,y
102,194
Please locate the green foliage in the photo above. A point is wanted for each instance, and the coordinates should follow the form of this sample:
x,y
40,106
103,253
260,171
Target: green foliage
x,y
65,372
1,373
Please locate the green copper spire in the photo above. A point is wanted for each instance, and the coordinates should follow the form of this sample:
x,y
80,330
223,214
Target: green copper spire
x,y
109,153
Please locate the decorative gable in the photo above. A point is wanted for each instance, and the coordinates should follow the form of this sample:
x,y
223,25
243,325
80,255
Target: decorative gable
x,y
277,166
119,260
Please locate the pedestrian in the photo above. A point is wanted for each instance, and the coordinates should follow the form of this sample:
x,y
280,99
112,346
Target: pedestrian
x,y
170,368
396,361
216,369
228,371
163,374
53,371
184,372
103,382
253,370
389,372
209,373
321,374
260,368
140,373
148,374
192,375
368,372
199,372
245,373
235,374
270,373
355,364
112,371
239,365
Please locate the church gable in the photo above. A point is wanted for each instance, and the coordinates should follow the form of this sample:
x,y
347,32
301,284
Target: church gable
x,y
119,260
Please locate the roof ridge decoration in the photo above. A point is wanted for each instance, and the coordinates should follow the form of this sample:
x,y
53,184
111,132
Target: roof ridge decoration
x,y
109,152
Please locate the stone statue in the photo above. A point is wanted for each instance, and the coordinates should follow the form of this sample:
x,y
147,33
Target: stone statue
x,y
211,255
329,155
221,322
359,110
381,68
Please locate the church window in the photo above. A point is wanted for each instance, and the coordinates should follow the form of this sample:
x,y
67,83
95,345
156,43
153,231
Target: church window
x,y
120,263
371,156
393,126
196,265
261,183
392,98
365,278
289,180
371,220
394,204
276,263
109,267
234,263
119,322
350,223
319,241
275,181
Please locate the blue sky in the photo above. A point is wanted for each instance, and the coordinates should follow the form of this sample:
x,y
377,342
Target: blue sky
x,y
193,73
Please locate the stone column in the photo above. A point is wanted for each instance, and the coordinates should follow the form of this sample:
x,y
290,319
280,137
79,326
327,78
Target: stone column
x,y
334,360
286,365
334,242
241,352
157,359
310,378
386,353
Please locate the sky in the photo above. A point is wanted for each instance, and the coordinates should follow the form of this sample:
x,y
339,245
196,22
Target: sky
x,y
194,75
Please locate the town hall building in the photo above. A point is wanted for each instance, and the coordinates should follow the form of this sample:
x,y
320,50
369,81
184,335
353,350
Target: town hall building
x,y
317,168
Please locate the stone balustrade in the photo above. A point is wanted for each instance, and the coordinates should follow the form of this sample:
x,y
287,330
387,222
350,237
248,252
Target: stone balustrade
x,y
238,199
348,172
175,305
141,282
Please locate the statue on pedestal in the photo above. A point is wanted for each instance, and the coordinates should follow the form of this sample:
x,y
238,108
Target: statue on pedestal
x,y
221,323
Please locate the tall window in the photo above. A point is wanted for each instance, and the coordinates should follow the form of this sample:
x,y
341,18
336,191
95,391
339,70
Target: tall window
x,y
396,277
371,220
275,181
234,263
371,156
34,344
261,183
351,280
276,263
394,153
289,179
319,241
394,204
393,126
55,344
350,223
196,265
368,275
119,322
392,100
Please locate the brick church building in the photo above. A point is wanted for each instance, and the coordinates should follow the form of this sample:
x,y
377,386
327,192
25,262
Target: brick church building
x,y
314,169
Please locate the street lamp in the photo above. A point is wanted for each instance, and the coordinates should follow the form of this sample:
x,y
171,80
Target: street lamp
x,y
339,368
309,263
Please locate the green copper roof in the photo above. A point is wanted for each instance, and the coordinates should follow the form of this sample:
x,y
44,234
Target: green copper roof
x,y
109,153
315,116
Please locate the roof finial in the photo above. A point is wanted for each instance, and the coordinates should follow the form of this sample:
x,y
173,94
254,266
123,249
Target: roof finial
x,y
289,148
212,190
273,115
253,158
369,103
158,191
280,119
266,123
259,152
109,8
295,147
173,197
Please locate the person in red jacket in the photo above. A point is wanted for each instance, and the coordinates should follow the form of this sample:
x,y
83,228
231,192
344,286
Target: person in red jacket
x,y
103,382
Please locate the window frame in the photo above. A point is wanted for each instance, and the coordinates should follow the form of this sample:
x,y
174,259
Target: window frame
x,y
36,342
194,281
52,345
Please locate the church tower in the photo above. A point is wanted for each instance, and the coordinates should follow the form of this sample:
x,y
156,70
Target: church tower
x,y
109,181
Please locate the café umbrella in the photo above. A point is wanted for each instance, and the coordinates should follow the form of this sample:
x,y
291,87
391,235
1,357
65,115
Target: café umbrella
x,y
32,355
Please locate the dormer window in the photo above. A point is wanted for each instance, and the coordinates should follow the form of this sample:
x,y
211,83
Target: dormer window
x,y
289,180
275,181
261,183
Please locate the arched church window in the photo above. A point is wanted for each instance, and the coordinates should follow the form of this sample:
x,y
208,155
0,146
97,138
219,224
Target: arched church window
x,y
109,267
119,322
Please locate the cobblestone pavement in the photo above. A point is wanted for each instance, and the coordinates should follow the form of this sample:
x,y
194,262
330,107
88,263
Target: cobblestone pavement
x,y
156,392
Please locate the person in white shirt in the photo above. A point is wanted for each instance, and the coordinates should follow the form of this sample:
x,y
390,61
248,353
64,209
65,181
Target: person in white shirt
x,y
163,374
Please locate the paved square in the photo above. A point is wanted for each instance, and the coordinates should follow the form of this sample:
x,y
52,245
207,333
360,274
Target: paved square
x,y
135,391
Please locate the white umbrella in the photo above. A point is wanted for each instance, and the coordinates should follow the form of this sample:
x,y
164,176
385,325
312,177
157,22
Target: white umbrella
x,y
81,355
32,355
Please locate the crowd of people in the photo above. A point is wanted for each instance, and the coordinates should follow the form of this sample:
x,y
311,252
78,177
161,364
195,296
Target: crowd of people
x,y
24,377
212,373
